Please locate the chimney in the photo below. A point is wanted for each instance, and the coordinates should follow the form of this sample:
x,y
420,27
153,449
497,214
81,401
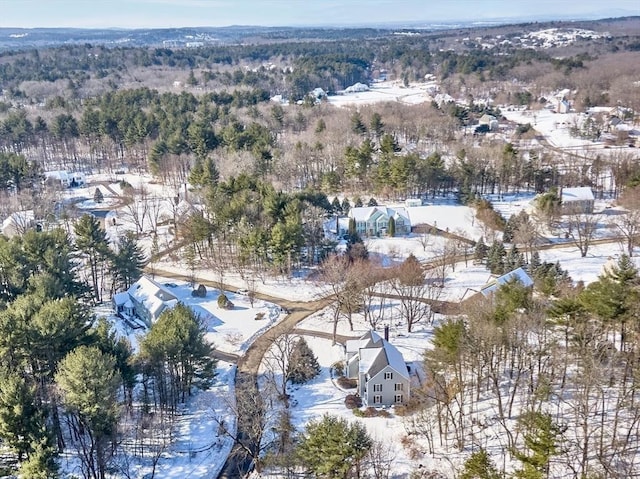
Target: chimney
x,y
386,333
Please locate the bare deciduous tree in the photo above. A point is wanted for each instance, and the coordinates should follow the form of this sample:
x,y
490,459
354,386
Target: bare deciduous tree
x,y
332,277
137,210
581,228
415,291
628,223
277,361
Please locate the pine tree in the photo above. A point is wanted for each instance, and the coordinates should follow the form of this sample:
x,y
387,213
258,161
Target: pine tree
x,y
41,463
176,343
89,384
513,260
615,295
128,263
336,207
21,422
391,228
372,202
357,202
107,340
98,197
352,228
357,125
204,173
509,229
479,466
196,174
189,254
303,364
541,442
624,272
548,205
480,251
511,297
534,263
91,241
346,206
331,447
495,258
191,79
376,124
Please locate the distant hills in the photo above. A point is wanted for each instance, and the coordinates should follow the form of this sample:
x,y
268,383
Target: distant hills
x,y
27,38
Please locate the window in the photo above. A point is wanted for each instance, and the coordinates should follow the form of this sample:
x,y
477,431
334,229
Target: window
x,y
377,388
377,399
398,398
399,387
388,375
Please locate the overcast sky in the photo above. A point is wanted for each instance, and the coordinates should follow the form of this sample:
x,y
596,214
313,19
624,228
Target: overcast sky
x,y
185,13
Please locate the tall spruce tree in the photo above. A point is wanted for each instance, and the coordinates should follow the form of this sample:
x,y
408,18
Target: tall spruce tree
x,y
480,250
128,263
391,228
303,364
92,243
496,258
513,260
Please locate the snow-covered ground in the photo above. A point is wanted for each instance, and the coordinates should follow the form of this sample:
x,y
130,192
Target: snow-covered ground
x,y
393,91
197,451
556,129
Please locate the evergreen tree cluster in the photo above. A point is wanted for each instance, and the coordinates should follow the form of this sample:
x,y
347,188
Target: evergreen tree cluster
x,y
499,261
50,341
513,224
548,277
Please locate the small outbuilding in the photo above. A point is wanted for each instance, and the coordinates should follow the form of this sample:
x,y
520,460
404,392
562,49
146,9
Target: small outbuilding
x,y
579,200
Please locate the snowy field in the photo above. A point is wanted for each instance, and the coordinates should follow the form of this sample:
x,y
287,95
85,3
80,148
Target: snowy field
x,y
392,91
556,128
230,331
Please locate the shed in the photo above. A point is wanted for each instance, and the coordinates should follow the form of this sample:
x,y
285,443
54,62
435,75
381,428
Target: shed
x,y
579,200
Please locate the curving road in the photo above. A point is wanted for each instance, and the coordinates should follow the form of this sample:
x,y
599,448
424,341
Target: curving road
x,y
240,462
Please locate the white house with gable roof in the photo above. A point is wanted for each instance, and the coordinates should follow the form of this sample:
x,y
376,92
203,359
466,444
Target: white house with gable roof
x,y
145,299
518,274
65,179
382,374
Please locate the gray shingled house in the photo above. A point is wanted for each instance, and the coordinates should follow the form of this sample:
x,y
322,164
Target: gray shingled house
x,y
382,374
